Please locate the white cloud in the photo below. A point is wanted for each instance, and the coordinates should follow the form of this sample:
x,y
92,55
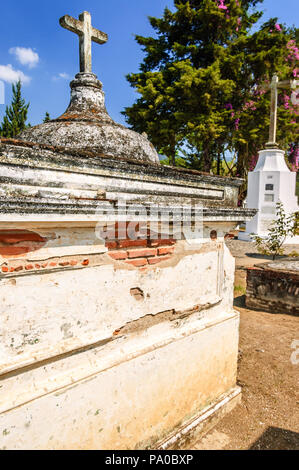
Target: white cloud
x,y
63,75
66,76
26,56
10,75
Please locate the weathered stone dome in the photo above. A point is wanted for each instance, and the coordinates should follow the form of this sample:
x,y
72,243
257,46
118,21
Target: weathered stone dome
x,y
86,125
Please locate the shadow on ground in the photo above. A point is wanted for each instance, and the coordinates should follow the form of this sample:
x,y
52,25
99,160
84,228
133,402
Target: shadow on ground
x,y
239,301
265,257
277,439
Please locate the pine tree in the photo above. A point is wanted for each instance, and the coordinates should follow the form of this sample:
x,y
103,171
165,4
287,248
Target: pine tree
x,y
15,117
203,82
47,117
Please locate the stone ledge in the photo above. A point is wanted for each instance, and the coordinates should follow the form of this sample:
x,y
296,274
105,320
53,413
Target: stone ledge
x,y
84,159
274,290
203,422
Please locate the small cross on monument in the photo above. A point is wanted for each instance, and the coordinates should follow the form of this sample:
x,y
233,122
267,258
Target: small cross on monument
x,y
86,34
275,84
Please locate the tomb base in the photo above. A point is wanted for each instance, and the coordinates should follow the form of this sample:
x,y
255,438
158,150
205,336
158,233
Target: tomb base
x,y
110,340
139,393
274,287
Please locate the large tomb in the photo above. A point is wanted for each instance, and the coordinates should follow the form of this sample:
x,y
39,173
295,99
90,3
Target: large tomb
x,y
117,324
271,181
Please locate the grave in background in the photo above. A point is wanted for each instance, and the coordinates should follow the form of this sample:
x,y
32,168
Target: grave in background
x,y
271,180
274,287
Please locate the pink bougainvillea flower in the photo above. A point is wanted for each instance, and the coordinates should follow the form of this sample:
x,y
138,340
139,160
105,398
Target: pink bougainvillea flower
x,y
221,5
277,27
286,99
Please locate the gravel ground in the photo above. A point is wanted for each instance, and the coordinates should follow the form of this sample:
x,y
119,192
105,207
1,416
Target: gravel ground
x,y
268,417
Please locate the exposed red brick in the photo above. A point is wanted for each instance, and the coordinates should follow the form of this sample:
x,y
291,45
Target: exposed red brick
x,y
85,262
53,264
19,268
17,236
38,266
162,242
154,260
111,245
142,253
44,265
29,266
166,251
11,270
158,259
130,243
64,263
213,235
73,262
118,255
137,230
5,269
138,262
14,250
116,332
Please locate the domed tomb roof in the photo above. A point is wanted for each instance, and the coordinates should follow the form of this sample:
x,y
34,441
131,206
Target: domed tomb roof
x,y
86,125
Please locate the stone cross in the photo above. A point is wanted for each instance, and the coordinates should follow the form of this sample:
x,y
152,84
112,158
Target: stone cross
x,y
275,84
86,34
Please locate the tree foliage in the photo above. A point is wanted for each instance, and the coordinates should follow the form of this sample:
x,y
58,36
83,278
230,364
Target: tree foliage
x,y
14,120
47,117
204,79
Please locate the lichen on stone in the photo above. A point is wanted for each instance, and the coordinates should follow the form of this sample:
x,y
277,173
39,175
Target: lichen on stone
x,y
86,125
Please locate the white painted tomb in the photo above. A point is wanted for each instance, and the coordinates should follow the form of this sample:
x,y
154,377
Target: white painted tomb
x,y
110,342
271,181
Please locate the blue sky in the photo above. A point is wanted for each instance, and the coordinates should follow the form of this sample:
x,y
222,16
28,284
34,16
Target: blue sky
x,y
32,43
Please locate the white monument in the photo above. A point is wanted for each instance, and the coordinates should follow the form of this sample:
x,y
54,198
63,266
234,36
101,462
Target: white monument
x,y
271,180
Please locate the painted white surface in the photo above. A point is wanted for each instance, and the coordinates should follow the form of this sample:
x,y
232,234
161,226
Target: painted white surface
x,y
271,169
129,406
80,387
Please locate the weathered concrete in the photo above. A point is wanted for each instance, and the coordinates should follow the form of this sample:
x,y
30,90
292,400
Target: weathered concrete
x,y
72,177
110,340
86,34
93,331
86,125
274,287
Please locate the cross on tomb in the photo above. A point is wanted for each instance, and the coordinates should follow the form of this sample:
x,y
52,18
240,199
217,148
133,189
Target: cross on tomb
x,y
86,34
275,84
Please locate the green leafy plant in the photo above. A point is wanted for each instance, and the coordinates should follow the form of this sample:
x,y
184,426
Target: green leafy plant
x,y
47,117
282,227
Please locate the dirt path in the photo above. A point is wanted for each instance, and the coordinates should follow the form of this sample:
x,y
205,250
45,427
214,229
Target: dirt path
x,y
268,417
